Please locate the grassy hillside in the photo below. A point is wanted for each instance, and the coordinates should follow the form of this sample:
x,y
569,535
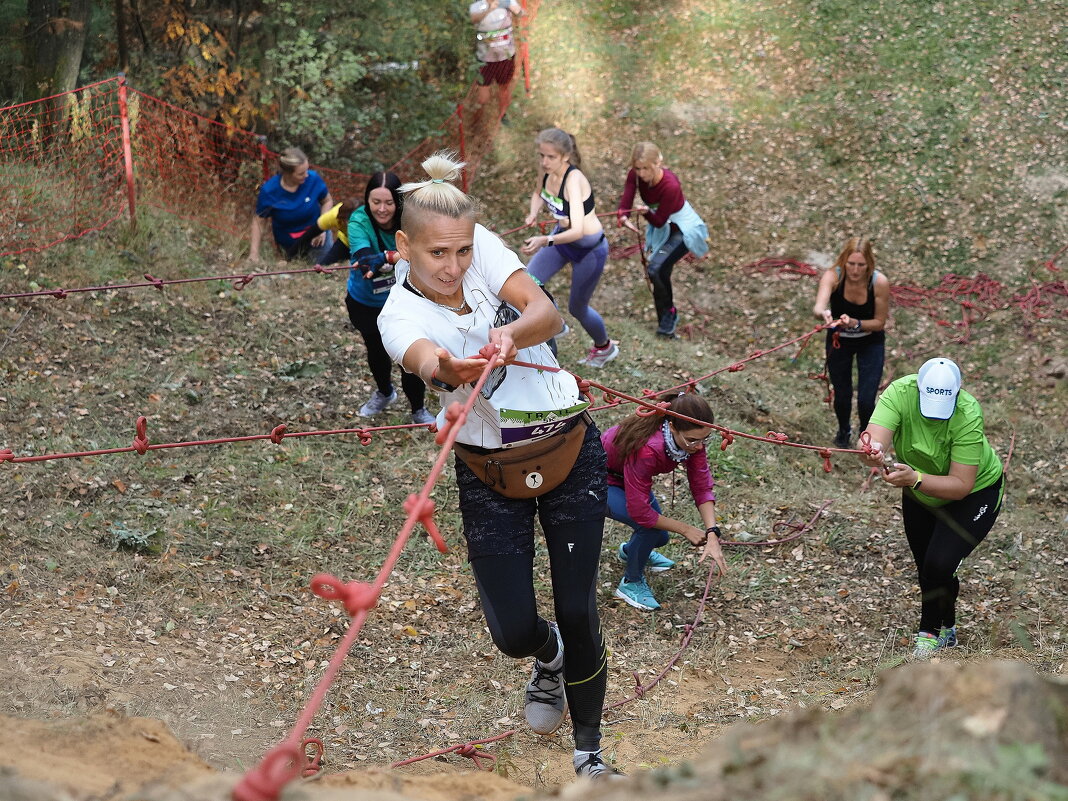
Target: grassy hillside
x,y
937,129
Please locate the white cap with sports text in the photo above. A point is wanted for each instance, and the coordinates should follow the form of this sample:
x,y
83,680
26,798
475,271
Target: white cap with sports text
x,y
939,383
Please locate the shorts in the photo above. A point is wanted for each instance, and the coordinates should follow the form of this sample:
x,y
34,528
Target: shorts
x,y
500,72
496,526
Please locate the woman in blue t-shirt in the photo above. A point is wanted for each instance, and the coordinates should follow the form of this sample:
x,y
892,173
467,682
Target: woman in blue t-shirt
x,y
293,200
373,252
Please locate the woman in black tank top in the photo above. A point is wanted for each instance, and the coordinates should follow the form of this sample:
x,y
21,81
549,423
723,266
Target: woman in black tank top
x,y
856,297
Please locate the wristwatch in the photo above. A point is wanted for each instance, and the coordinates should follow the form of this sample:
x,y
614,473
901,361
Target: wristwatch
x,y
549,240
439,385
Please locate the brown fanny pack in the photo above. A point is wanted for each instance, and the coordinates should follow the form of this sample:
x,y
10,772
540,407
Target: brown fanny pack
x,y
529,470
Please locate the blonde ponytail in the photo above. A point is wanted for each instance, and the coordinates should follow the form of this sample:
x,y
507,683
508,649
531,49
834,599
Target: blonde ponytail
x,y
437,195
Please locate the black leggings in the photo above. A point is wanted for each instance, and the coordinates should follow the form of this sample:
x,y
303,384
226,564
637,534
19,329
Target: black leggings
x,y
302,246
941,537
870,353
659,271
364,319
500,538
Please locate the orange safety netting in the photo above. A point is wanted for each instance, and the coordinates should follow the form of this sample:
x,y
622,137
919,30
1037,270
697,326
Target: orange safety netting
x,y
78,161
61,168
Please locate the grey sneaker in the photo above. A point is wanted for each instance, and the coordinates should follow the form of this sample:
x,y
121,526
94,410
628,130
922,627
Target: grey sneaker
x,y
599,357
377,404
423,417
545,703
593,767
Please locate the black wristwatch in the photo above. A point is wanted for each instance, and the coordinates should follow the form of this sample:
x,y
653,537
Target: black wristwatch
x,y
439,385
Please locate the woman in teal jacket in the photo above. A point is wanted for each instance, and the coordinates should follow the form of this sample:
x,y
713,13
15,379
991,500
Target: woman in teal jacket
x,y
372,246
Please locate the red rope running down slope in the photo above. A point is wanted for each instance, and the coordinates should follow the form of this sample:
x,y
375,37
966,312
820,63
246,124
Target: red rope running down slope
x,y
288,760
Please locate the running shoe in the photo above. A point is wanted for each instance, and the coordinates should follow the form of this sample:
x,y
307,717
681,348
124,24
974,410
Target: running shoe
x,y
545,703
423,417
657,563
947,638
637,594
377,404
593,767
669,321
841,439
599,357
926,645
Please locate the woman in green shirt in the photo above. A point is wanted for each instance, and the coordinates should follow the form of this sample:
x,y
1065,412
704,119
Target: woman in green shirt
x,y
951,483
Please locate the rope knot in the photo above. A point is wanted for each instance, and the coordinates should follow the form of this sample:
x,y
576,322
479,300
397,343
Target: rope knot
x,y
364,436
355,596
278,433
264,782
825,454
653,411
422,509
140,443
454,416
6,455
243,281
320,269
312,763
728,439
777,436
157,283
59,293
736,367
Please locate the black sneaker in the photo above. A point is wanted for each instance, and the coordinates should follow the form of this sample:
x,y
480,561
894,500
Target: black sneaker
x,y
593,767
669,321
841,439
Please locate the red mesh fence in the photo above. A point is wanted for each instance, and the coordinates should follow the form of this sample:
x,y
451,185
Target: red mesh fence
x,y
63,172
61,168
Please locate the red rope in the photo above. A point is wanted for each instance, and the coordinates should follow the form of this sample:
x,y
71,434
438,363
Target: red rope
x,y
469,749
283,763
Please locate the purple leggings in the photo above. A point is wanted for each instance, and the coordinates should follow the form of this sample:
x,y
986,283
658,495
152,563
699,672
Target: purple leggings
x,y
587,257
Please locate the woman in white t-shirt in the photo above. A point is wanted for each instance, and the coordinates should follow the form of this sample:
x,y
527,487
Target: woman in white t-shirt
x,y
527,447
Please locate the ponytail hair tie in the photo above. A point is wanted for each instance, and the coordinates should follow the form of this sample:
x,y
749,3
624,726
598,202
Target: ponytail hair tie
x,y
437,180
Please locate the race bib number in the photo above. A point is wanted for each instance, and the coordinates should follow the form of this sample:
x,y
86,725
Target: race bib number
x,y
519,427
383,283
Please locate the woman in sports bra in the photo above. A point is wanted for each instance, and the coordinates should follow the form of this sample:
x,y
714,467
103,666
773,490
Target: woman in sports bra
x,y
857,296
577,238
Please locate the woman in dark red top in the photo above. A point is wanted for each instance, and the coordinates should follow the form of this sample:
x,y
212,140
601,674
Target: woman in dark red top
x,y
674,229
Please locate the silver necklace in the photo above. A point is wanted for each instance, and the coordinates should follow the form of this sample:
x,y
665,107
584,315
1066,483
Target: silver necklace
x,y
455,309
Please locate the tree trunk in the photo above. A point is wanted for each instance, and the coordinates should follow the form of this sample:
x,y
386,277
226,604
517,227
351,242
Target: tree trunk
x,y
55,35
120,36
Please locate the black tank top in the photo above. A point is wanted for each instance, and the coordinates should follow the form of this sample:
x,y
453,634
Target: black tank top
x,y
858,311
559,206
862,311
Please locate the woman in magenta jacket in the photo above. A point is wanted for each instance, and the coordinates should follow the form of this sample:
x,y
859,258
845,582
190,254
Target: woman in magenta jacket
x,y
640,448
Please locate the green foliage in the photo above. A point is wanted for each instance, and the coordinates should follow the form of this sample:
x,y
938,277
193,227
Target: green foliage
x,y
317,84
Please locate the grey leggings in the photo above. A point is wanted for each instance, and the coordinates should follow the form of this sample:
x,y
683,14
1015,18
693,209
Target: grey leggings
x,y
587,257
